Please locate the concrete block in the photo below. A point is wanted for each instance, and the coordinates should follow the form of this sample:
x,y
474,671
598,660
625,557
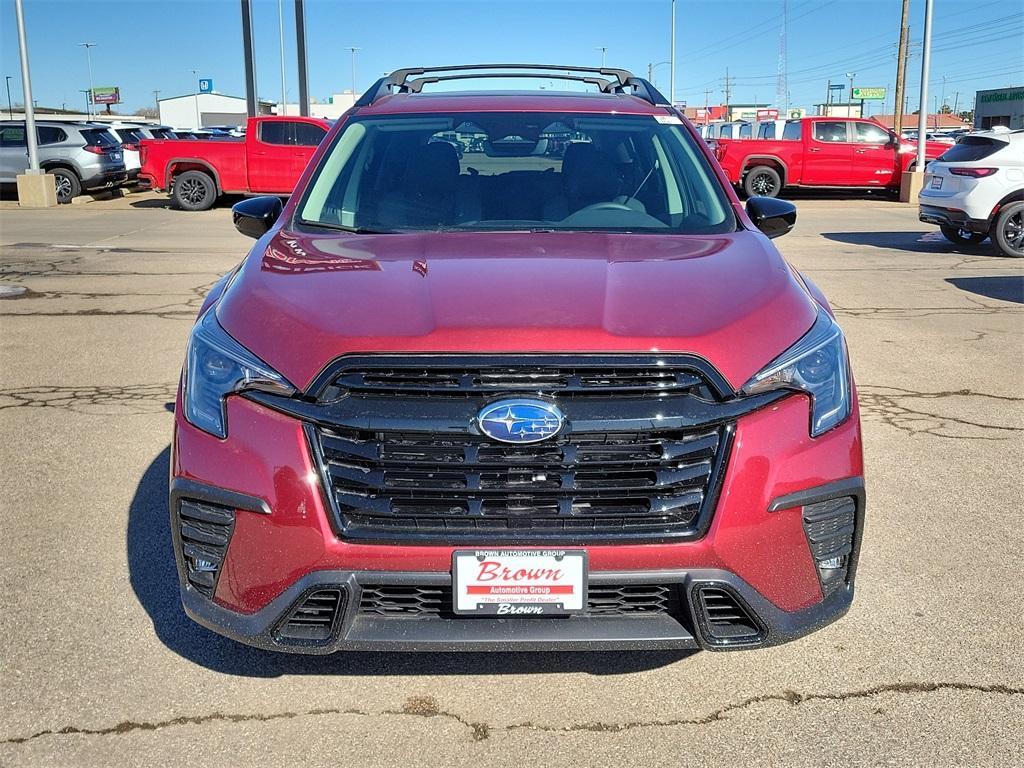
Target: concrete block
x,y
910,186
37,190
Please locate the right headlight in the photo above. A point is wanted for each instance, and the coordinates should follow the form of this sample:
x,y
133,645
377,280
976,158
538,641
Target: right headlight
x,y
817,364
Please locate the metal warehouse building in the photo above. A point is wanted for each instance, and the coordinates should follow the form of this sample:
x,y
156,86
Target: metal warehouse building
x,y
201,109
999,106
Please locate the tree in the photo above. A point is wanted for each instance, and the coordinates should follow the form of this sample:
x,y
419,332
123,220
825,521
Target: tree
x,y
945,109
967,115
147,112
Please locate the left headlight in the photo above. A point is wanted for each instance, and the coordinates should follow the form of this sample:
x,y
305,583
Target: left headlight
x,y
215,366
817,364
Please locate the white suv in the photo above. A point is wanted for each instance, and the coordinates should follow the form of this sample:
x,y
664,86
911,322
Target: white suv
x,y
976,190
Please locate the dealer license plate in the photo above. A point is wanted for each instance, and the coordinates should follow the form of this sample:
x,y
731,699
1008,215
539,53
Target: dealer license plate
x,y
519,582
936,182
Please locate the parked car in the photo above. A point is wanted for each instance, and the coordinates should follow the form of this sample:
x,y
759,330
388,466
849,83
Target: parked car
x,y
80,156
735,130
770,129
976,190
573,404
269,160
130,135
821,152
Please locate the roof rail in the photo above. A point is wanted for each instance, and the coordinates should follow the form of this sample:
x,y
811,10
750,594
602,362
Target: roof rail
x,y
608,80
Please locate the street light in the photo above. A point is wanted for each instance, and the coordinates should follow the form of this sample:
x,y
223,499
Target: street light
x,y
652,67
195,81
92,90
354,49
672,56
604,52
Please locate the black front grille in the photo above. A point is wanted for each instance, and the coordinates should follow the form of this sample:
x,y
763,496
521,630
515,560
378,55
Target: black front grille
x,y
462,487
435,601
419,380
204,530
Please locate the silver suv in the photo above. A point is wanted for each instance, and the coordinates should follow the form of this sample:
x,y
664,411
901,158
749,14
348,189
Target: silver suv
x,y
80,155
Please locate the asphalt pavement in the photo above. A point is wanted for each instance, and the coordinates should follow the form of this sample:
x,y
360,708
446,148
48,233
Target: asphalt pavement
x,y
100,667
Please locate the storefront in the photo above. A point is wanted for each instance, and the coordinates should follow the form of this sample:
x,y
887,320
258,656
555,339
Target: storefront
x,y
1000,106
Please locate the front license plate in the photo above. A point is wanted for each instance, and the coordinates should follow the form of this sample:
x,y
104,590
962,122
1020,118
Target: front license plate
x,y
936,182
519,582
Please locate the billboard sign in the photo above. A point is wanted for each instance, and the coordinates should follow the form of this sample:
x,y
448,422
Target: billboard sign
x,y
767,114
106,95
869,94
206,85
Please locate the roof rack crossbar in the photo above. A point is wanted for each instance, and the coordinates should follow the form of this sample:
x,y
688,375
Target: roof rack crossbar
x,y
608,80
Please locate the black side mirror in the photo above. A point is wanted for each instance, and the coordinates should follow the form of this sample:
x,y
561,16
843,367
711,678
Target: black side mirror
x,y
772,216
254,217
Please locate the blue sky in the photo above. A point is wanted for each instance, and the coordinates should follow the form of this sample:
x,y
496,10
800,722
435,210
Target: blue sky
x,y
146,45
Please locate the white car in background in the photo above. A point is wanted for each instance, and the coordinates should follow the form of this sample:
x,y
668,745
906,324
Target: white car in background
x,y
975,189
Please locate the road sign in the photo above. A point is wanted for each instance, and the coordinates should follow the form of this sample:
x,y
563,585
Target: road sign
x,y
206,85
837,87
869,94
106,96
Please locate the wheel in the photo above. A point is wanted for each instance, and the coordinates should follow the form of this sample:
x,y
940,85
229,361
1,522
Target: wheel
x,y
1008,230
961,236
68,185
194,191
762,181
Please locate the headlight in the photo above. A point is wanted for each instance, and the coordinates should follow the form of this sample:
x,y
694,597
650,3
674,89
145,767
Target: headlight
x,y
216,365
817,365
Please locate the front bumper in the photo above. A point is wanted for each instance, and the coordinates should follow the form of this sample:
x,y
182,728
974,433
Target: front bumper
x,y
283,546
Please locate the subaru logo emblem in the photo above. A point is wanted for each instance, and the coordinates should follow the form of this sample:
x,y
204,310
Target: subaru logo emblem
x,y
520,421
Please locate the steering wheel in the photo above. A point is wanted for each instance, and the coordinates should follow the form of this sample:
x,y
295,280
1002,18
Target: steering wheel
x,y
608,206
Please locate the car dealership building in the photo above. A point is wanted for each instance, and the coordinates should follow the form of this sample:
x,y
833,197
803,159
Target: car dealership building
x,y
999,106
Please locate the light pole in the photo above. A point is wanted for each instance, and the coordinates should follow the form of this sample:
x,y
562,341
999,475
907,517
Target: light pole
x,y
849,102
88,61
926,61
280,26
195,97
31,138
354,50
672,58
604,53
652,67
10,106
85,92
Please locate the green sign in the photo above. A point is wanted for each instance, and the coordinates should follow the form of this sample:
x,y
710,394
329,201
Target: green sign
x,y
869,94
106,96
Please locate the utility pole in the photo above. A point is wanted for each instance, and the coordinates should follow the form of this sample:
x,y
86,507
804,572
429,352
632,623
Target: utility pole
x,y
156,100
942,101
10,106
828,98
707,113
672,57
901,68
849,101
926,61
727,91
280,30
88,61
782,78
956,102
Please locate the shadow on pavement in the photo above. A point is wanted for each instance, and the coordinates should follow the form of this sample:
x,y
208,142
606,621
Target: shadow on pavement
x,y
155,582
1002,287
918,242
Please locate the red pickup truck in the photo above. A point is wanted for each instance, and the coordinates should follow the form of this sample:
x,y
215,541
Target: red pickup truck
x,y
820,152
269,161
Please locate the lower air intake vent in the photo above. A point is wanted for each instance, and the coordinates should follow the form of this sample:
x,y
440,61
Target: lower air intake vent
x,y
830,526
314,618
725,619
205,531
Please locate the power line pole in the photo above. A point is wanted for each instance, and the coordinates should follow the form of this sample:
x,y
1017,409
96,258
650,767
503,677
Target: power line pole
x,y
156,100
782,80
280,29
828,98
727,90
956,102
901,68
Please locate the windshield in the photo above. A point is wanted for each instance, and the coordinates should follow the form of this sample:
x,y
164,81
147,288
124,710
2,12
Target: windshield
x,y
516,171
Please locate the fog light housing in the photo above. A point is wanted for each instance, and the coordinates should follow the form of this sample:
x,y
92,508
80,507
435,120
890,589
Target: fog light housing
x,y
204,530
830,527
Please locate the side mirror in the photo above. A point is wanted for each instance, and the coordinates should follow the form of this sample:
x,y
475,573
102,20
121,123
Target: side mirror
x,y
254,217
772,216
894,140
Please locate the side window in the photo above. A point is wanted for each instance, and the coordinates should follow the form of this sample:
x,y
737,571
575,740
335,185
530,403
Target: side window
x,y
308,134
792,131
762,131
12,136
830,131
50,135
275,132
745,131
865,133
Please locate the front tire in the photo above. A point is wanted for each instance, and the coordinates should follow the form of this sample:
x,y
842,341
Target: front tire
x,y
1008,230
194,191
762,181
68,185
961,236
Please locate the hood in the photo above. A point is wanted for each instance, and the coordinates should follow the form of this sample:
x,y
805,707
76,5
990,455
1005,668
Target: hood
x,y
300,300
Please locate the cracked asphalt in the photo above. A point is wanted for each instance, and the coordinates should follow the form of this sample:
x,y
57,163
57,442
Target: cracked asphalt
x,y
99,666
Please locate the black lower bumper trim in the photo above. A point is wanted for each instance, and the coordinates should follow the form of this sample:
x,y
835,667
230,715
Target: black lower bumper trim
x,y
360,632
949,217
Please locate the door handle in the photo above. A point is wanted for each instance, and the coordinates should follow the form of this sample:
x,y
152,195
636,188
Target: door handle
x,y
859,151
813,149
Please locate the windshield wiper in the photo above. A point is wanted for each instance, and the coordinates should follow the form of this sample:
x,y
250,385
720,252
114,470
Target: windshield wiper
x,y
343,228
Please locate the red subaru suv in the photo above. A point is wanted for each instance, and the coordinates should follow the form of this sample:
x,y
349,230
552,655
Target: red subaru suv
x,y
515,370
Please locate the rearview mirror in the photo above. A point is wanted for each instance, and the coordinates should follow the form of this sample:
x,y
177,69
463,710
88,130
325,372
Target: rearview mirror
x,y
772,216
254,217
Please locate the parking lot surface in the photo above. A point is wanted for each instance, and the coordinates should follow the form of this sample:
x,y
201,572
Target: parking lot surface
x,y
100,666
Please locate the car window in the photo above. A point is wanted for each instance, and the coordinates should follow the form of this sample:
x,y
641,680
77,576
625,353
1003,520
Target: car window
x,y
291,133
128,136
308,134
971,148
792,131
830,131
50,134
745,131
762,131
865,133
515,171
99,137
12,136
